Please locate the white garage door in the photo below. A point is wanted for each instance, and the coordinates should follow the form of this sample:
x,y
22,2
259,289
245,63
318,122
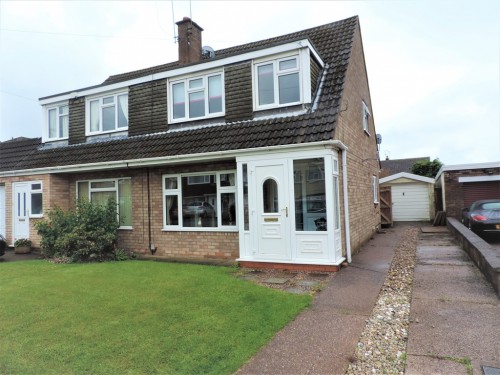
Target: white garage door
x,y
2,210
410,202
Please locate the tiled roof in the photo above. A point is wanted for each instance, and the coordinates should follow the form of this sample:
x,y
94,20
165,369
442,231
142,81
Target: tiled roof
x,y
333,43
390,167
16,151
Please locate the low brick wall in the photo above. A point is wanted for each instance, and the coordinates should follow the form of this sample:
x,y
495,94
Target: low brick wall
x,y
486,258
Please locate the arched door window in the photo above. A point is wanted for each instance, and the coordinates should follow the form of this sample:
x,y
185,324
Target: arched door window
x,y
270,196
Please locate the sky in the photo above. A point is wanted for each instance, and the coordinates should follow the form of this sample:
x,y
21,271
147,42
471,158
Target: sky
x,y
433,66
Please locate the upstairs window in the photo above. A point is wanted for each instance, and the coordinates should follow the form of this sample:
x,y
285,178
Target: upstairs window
x,y
366,117
57,122
278,82
107,113
196,97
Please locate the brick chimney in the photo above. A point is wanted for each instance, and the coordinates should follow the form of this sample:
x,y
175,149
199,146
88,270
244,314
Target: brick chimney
x,y
189,39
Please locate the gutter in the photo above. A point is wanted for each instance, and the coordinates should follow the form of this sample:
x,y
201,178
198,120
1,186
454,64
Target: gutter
x,y
174,159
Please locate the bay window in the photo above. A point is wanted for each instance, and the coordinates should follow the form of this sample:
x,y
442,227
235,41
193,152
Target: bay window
x,y
107,113
203,200
196,97
57,122
100,191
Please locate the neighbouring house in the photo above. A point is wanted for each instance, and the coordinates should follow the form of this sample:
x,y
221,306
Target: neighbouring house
x,y
265,153
391,167
458,186
412,196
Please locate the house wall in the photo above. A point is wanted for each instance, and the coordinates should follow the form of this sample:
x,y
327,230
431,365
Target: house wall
x,y
454,190
169,244
54,192
362,153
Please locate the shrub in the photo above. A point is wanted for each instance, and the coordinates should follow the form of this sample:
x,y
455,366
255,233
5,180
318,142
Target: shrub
x,y
22,242
87,233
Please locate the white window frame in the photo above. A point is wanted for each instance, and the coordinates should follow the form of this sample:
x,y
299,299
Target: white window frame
x,y
303,68
101,105
46,131
366,117
97,190
186,79
35,191
220,190
375,189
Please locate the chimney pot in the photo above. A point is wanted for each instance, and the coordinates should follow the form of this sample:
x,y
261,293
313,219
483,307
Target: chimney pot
x,y
189,39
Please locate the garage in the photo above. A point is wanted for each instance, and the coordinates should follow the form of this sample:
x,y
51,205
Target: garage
x,y
412,196
2,210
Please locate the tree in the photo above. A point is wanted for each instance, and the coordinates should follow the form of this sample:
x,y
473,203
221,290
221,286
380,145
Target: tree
x,y
426,168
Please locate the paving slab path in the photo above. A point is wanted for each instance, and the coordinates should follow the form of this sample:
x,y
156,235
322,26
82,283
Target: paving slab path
x,y
455,313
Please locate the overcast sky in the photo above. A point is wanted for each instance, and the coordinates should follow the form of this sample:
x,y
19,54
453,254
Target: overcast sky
x,y
433,66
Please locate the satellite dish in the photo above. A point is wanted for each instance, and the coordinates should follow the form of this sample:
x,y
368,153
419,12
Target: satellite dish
x,y
379,138
208,52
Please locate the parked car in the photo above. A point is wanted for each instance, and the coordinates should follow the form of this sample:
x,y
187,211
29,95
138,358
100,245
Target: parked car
x,y
483,217
198,208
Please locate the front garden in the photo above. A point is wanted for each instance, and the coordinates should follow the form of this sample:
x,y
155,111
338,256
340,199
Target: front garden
x,y
134,317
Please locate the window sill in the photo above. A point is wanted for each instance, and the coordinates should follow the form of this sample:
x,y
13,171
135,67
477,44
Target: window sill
x,y
199,229
125,228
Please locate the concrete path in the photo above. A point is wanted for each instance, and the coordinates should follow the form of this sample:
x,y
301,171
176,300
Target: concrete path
x,y
455,313
323,338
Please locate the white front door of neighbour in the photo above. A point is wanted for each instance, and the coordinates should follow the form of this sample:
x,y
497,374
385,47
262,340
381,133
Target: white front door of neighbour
x,y
21,210
272,212
2,211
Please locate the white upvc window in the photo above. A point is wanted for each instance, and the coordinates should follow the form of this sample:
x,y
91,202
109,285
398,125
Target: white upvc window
x,y
196,97
107,113
204,201
278,82
366,117
36,199
57,122
375,189
100,191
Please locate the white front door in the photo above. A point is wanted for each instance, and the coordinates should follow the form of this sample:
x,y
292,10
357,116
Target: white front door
x,y
272,211
2,211
21,210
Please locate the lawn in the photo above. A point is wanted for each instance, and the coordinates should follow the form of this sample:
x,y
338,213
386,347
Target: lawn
x,y
134,317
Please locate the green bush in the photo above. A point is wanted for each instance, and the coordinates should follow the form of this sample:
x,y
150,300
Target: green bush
x,y
3,245
22,242
87,233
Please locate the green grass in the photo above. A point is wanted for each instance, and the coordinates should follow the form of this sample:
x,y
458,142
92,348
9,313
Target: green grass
x,y
134,317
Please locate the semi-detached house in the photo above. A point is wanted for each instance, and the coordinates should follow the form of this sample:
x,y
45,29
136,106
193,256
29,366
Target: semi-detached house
x,y
264,153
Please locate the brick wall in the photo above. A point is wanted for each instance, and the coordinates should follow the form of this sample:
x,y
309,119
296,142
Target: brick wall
x,y
454,190
362,154
176,244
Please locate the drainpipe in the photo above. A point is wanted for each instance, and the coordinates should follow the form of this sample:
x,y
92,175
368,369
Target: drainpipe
x,y
346,206
151,246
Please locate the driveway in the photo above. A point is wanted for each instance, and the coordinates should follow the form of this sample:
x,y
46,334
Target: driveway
x,y
10,256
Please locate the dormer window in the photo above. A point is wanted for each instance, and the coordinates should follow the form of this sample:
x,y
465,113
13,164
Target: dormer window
x,y
107,113
57,122
198,97
278,82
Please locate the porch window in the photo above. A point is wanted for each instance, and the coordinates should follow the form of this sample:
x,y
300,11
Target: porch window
x,y
196,97
206,200
100,191
310,194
